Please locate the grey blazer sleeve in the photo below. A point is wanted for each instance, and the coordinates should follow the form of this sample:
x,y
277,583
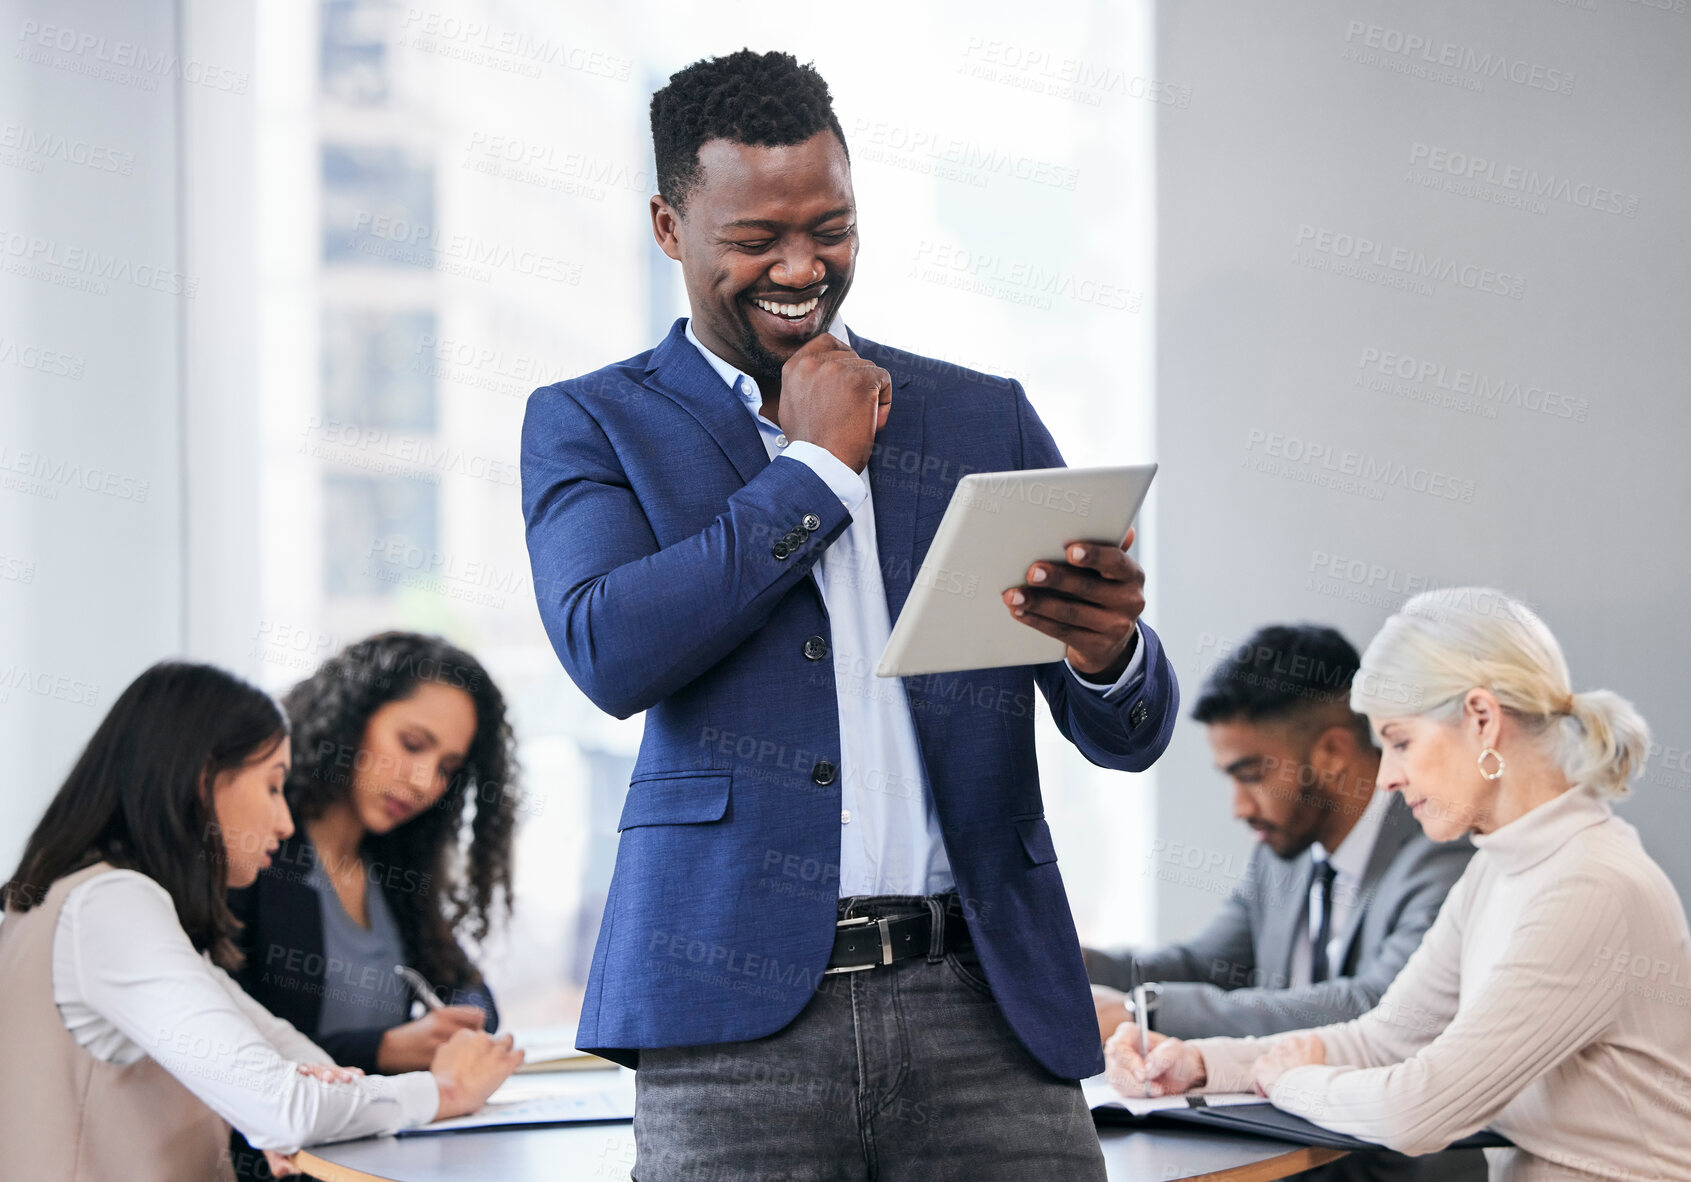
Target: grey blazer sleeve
x,y
1214,954
1405,903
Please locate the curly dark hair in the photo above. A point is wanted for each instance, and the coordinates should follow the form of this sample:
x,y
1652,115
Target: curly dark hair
x,y
761,99
329,712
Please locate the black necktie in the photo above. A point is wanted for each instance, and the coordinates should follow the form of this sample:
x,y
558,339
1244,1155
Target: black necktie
x,y
1322,879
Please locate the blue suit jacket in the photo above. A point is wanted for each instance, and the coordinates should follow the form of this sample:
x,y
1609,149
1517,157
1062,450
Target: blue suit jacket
x,y
652,512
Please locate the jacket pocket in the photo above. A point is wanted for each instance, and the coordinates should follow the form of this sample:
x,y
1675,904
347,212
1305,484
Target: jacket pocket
x,y
1036,840
676,798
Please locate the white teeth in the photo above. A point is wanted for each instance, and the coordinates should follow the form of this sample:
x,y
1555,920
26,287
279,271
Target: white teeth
x,y
789,311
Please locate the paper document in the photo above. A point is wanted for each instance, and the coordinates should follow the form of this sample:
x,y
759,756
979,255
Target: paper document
x,y
533,1101
552,1048
1099,1094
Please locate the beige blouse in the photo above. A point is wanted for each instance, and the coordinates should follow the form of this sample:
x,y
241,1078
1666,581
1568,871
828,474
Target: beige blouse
x,y
1550,1000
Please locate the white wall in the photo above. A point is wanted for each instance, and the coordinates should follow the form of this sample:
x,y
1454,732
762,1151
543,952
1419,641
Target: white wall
x,y
127,485
1579,506
90,580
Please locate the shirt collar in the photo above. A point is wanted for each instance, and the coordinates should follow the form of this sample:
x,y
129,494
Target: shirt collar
x,y
1536,834
1350,860
731,376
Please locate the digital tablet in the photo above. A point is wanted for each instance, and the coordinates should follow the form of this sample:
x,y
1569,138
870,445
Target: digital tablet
x,y
996,526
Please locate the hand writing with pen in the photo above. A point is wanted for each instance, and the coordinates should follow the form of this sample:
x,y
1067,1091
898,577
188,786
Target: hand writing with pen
x,y
1175,1066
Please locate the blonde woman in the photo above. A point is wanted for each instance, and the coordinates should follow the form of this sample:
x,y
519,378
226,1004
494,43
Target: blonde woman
x,y
1551,999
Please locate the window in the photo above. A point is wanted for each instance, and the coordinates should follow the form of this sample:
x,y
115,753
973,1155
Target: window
x,y
376,371
367,521
378,206
355,65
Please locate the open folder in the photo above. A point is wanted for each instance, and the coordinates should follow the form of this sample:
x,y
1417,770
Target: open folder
x,y
1240,1112
536,1100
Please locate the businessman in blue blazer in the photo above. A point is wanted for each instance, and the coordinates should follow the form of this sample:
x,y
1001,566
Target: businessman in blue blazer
x,y
837,942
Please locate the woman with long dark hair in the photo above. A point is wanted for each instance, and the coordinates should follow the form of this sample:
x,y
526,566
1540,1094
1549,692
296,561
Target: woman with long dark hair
x,y
130,1052
403,783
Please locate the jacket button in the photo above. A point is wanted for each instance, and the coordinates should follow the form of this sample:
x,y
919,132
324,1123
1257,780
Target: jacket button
x,y
823,772
781,550
815,648
793,539
811,521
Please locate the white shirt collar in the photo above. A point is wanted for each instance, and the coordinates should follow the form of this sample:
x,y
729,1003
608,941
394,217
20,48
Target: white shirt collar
x,y
1350,860
731,376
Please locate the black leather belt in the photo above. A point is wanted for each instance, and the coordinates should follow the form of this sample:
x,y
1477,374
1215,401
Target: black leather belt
x,y
865,942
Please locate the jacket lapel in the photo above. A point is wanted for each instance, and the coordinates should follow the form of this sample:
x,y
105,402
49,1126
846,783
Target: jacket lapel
x,y
678,371
1287,906
1397,827
895,480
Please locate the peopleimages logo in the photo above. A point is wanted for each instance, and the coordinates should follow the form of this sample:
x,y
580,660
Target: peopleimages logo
x,y
40,257
1529,182
1428,53
1377,367
474,41
576,173
41,474
927,150
417,241
1314,462
1060,76
1015,280
125,61
36,145
1409,261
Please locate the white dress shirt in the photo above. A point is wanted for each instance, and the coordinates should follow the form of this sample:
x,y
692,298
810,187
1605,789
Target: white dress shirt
x,y
890,841
1350,863
129,984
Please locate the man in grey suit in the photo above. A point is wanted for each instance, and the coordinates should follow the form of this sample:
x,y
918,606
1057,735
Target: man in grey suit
x,y
1338,892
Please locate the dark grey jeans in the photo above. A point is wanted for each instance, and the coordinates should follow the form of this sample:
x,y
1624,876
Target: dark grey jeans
x,y
904,1071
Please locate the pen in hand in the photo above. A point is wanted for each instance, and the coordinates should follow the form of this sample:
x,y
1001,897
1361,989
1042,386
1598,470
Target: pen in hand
x,y
420,986
1136,988
1144,1033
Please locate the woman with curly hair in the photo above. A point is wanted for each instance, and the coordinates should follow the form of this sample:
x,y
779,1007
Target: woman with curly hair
x,y
403,786
130,1053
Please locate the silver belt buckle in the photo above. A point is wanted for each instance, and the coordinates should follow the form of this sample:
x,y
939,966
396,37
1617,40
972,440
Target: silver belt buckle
x,y
886,944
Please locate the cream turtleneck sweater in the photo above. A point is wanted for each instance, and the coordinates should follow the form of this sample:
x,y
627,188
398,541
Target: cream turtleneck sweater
x,y
1550,1001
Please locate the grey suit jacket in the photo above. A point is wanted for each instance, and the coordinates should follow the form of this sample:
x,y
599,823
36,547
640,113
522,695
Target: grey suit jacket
x,y
1234,977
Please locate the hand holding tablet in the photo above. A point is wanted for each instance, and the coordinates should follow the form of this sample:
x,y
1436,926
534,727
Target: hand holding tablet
x,y
1018,533
1091,603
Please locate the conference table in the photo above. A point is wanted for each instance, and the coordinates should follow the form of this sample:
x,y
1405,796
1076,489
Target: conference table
x,y
604,1152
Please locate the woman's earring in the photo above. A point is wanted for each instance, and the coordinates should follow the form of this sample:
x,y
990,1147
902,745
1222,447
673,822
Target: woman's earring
x,y
1491,751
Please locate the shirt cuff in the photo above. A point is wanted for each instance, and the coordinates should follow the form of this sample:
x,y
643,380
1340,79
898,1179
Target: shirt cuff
x,y
419,1097
1133,672
847,485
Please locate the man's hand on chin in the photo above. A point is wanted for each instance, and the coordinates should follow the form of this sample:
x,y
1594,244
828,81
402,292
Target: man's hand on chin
x,y
1092,603
835,399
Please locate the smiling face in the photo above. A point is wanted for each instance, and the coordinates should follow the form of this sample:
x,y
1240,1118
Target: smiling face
x,y
1433,764
767,247
252,814
412,747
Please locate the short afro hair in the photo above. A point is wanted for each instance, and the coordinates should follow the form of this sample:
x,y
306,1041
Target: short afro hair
x,y
1285,672
760,99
